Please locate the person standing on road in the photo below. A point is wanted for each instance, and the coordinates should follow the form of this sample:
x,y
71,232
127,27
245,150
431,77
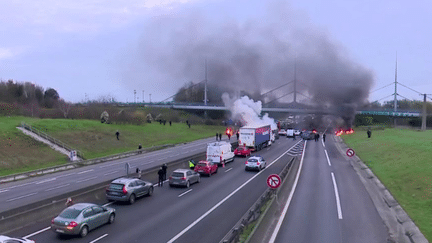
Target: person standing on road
x,y
191,164
138,171
217,136
220,136
324,137
238,135
161,174
164,168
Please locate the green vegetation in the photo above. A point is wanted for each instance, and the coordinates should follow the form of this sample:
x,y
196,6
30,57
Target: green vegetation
x,y
20,153
401,159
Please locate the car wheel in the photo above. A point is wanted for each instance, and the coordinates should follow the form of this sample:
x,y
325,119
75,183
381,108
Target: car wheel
x,y
216,170
187,184
84,231
199,179
132,199
246,168
209,173
111,218
150,191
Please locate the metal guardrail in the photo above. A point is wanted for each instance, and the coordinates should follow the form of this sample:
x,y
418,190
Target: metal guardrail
x,y
71,165
51,139
254,213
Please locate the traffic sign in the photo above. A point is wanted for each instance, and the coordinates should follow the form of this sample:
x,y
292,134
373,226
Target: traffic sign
x,y
350,152
273,181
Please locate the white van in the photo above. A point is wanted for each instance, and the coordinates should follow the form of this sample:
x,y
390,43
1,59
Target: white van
x,y
290,132
219,152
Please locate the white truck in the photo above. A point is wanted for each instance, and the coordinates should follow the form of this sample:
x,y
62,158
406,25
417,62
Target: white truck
x,y
255,137
218,152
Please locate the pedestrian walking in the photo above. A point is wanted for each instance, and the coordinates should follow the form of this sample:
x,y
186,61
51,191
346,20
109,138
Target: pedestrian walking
x,y
220,136
316,137
229,136
139,148
324,137
164,168
189,125
170,123
369,133
117,135
238,135
191,164
69,202
217,136
160,173
138,172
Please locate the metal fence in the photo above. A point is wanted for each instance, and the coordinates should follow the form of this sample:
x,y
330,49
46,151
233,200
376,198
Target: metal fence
x,y
254,213
51,139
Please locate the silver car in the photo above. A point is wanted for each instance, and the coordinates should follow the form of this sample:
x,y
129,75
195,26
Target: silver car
x,y
128,189
80,218
255,163
184,177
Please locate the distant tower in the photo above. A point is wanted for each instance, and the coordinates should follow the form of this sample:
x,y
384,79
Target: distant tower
x,y
205,84
395,93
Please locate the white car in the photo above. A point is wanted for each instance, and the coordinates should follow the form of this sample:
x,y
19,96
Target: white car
x,y
6,239
255,163
282,132
297,132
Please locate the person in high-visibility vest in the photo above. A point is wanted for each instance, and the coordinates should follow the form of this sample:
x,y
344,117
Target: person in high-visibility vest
x,y
191,164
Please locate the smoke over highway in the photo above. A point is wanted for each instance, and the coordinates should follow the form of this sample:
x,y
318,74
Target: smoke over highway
x,y
255,55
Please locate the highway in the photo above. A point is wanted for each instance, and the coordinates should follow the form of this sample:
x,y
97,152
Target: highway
x,y
24,192
203,213
330,203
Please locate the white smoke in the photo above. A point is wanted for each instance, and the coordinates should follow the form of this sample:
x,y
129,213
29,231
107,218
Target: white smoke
x,y
248,111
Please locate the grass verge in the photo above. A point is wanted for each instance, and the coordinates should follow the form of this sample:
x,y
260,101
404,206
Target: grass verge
x,y
402,160
20,153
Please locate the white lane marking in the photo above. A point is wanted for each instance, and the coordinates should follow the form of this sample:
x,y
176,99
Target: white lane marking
x,y
103,236
185,192
111,172
339,209
229,169
4,191
223,200
103,166
282,217
82,172
157,184
48,180
25,184
328,160
147,163
57,187
322,143
107,204
65,175
37,232
91,178
16,198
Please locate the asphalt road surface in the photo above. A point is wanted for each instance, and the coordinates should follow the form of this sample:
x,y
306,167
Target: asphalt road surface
x,y
203,213
24,192
330,204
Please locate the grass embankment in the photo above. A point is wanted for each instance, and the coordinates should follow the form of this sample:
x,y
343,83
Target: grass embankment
x,y
19,153
402,160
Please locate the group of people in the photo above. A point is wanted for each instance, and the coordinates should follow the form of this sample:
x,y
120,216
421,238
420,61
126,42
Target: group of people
x,y
219,136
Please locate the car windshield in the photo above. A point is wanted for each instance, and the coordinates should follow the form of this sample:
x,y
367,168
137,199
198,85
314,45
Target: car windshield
x,y
252,160
202,164
70,213
240,148
116,186
177,174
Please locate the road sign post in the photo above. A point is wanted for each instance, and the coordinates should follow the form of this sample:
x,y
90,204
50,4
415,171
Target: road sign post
x,y
127,166
274,181
350,152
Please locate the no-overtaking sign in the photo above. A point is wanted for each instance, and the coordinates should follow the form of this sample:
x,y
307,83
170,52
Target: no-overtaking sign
x,y
350,152
273,181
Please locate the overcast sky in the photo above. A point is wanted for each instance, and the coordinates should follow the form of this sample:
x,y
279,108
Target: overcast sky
x,y
95,47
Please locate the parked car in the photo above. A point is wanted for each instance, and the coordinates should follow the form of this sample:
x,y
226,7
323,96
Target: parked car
x,y
308,135
80,218
184,177
282,132
128,189
6,239
297,132
206,168
242,151
255,163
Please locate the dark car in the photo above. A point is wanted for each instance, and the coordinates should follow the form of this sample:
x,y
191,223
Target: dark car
x,y
206,167
128,189
308,135
80,218
242,151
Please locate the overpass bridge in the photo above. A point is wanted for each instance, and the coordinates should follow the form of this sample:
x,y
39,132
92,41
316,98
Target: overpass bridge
x,y
305,110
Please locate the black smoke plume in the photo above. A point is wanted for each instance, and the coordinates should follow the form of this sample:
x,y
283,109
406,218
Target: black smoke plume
x,y
255,56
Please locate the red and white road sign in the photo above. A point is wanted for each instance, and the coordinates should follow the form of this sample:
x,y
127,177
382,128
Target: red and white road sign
x,y
273,181
350,152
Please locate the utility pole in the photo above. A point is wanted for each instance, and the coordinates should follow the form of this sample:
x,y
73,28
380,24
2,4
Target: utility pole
x,y
295,79
423,126
143,96
395,93
134,95
150,97
205,84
